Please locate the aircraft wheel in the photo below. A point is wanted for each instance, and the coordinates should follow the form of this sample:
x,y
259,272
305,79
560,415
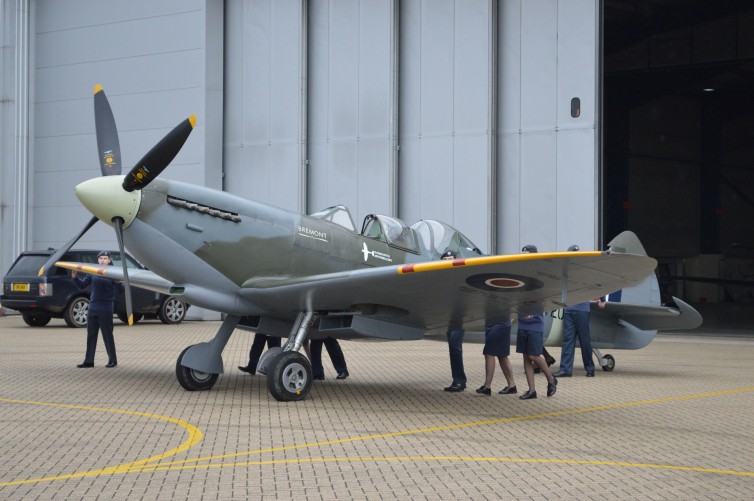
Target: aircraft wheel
x,y
193,380
289,376
610,365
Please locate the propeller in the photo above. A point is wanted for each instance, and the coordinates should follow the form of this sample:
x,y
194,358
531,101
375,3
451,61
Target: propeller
x,y
156,159
65,248
118,222
108,145
143,173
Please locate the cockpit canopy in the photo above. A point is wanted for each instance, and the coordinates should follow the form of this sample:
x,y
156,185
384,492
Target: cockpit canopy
x,y
392,231
338,214
427,236
438,237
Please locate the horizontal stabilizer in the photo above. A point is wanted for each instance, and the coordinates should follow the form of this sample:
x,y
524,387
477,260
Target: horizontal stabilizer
x,y
647,317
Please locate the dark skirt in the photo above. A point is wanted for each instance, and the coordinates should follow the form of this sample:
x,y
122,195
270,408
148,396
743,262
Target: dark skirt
x,y
497,340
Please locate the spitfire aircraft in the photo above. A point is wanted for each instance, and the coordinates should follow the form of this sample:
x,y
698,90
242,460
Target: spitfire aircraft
x,y
298,276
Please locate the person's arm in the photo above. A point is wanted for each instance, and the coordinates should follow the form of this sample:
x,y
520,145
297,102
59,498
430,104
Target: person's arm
x,y
83,283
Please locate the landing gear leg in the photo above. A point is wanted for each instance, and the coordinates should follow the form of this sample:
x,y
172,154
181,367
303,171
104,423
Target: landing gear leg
x,y
199,365
289,373
607,361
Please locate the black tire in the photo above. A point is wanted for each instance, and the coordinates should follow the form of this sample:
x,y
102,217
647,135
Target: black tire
x,y
123,318
289,377
610,363
193,380
172,311
36,319
76,311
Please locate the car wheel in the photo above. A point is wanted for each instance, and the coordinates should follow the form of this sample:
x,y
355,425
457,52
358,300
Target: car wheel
x,y
123,318
36,319
76,312
172,311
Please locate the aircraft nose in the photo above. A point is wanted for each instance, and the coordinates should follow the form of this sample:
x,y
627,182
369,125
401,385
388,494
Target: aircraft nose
x,y
105,198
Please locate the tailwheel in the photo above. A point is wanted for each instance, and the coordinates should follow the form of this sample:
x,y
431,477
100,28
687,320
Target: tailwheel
x,y
608,363
289,376
191,379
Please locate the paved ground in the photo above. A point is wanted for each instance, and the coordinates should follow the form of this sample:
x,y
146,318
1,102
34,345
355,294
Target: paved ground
x,y
674,421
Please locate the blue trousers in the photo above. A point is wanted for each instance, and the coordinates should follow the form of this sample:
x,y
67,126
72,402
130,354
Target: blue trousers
x,y
455,348
333,349
94,322
257,347
576,324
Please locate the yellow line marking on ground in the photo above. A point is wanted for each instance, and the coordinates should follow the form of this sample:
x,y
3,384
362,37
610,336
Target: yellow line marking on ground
x,y
448,458
194,437
454,426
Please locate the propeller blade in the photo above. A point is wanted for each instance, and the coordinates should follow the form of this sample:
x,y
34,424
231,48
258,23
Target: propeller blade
x,y
155,161
126,285
108,146
65,248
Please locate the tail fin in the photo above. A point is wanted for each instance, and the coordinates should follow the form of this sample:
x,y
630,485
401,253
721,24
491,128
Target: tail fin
x,y
646,292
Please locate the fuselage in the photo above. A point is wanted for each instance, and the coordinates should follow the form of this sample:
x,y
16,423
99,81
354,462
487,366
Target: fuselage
x,y
211,243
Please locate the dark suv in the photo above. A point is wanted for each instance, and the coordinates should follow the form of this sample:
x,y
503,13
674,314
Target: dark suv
x,y
56,294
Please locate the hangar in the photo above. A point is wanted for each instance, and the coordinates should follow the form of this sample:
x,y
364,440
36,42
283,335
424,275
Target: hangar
x,y
550,122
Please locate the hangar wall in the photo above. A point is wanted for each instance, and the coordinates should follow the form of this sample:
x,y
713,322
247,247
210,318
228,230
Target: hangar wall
x,y
447,109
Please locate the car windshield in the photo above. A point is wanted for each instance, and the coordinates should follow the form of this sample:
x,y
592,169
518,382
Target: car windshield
x,y
28,265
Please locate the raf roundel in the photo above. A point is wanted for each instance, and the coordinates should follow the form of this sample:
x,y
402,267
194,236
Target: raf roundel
x,y
495,282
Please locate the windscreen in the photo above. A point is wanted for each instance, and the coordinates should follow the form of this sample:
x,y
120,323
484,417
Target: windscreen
x,y
28,265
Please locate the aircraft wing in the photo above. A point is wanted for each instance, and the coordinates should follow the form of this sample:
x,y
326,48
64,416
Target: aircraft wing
x,y
435,295
646,317
143,279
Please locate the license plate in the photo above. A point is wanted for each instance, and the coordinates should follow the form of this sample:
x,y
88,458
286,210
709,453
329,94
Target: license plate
x,y
20,287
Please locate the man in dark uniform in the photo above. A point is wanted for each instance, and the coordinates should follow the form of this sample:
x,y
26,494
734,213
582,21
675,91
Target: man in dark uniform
x,y
100,314
455,348
257,347
336,357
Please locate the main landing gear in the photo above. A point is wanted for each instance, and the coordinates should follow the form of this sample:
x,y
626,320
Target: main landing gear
x,y
289,373
606,361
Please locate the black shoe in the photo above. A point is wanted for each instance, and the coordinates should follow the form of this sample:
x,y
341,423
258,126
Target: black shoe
x,y
318,378
110,365
552,387
484,390
246,370
537,370
455,387
342,375
561,374
528,395
85,365
589,373
508,390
